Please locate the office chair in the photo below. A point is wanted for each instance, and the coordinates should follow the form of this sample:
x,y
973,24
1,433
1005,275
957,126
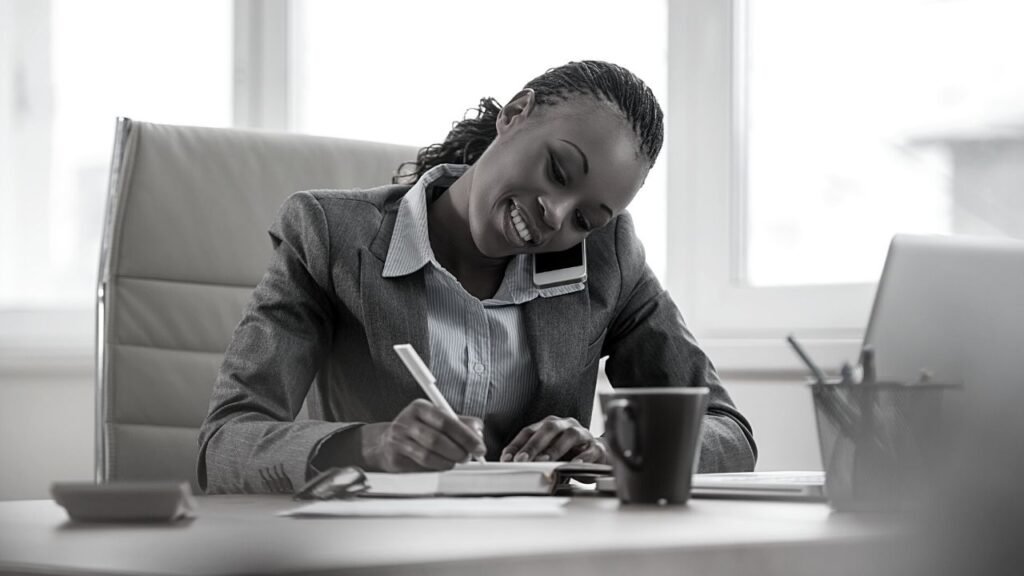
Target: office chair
x,y
184,244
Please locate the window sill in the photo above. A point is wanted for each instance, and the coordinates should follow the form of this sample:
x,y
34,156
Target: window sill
x,y
773,359
47,364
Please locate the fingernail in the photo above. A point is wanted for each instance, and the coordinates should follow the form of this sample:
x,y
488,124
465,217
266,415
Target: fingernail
x,y
543,458
577,460
522,457
506,457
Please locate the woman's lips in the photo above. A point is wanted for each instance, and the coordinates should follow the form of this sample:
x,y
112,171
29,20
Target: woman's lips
x,y
520,225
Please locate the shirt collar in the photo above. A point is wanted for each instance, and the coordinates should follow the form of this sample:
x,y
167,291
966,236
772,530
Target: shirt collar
x,y
410,243
518,287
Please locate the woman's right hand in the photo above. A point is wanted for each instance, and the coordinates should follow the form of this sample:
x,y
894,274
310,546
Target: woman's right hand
x,y
421,437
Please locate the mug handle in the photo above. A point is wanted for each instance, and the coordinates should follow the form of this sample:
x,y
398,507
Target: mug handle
x,y
622,408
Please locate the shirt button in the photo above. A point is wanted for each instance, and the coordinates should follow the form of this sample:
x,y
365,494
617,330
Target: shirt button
x,y
478,368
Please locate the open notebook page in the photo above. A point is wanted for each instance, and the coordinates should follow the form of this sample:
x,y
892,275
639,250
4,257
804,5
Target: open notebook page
x,y
489,478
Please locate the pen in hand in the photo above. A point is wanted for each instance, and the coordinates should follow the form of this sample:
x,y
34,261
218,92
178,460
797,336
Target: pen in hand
x,y
426,380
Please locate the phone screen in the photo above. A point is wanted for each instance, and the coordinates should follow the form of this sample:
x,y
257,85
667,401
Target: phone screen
x,y
549,261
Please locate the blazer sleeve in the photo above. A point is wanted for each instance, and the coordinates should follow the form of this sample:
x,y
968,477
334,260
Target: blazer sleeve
x,y
648,342
250,441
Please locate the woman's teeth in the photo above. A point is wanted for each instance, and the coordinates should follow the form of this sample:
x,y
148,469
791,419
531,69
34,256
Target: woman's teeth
x,y
517,221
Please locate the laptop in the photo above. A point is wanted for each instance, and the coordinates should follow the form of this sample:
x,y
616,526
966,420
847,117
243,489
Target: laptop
x,y
951,306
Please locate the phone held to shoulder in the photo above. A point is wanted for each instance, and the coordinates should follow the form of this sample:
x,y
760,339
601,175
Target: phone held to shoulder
x,y
560,268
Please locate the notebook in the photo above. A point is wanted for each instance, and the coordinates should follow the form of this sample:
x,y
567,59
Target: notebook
x,y
483,479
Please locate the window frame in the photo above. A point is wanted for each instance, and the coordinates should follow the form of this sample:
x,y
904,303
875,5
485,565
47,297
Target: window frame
x,y
38,341
742,327
61,340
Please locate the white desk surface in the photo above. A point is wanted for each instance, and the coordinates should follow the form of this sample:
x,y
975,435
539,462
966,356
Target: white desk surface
x,y
242,535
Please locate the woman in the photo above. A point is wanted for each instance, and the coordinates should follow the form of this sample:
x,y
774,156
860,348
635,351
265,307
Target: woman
x,y
446,266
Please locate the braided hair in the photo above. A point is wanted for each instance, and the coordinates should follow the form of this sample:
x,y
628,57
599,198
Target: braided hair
x,y
603,81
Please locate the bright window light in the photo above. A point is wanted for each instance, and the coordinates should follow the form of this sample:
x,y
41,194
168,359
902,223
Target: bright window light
x,y
869,118
73,67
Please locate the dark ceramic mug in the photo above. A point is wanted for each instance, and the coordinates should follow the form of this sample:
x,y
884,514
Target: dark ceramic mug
x,y
654,437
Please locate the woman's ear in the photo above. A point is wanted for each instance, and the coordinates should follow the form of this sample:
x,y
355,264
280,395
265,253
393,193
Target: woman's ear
x,y
516,111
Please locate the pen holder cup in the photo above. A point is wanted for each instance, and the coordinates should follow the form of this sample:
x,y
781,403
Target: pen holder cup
x,y
883,444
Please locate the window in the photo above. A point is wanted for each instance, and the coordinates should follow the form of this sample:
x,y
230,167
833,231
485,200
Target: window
x,y
402,71
67,71
904,117
393,71
817,129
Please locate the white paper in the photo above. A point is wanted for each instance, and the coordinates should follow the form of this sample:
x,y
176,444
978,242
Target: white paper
x,y
434,507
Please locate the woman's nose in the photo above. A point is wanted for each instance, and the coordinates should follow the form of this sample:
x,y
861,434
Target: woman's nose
x,y
554,211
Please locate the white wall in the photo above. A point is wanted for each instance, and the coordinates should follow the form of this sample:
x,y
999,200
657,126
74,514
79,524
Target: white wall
x,y
46,430
782,415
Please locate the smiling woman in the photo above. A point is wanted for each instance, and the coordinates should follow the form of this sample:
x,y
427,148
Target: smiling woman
x,y
336,89
561,160
444,264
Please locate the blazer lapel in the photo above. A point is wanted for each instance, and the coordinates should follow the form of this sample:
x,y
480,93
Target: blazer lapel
x,y
557,331
394,312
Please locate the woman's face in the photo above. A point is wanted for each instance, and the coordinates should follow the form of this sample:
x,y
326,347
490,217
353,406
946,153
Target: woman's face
x,y
553,175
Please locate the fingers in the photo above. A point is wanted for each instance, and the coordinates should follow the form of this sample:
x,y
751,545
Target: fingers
x,y
476,428
567,443
393,450
591,452
551,439
465,432
435,442
509,452
430,438
399,460
422,451
475,424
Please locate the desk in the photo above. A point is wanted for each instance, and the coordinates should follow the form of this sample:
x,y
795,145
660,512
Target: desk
x,y
241,535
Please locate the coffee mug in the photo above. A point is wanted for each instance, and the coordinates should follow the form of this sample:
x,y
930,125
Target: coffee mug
x,y
654,437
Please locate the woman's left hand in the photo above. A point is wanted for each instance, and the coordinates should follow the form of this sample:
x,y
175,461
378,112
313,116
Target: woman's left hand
x,y
555,438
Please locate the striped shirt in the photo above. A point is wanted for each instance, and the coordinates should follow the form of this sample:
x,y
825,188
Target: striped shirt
x,y
478,348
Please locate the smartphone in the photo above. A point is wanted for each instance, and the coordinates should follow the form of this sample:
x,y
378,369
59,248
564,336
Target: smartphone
x,y
125,500
560,268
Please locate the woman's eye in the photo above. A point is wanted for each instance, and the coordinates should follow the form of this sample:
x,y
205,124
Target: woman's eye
x,y
582,221
556,171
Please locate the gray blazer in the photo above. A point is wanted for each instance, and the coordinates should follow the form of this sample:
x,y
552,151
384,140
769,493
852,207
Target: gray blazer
x,y
324,315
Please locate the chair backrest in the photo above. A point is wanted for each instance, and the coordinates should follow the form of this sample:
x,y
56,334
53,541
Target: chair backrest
x,y
185,242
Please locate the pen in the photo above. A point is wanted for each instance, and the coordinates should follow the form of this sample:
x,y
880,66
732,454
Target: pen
x,y
867,364
818,374
426,380
846,373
